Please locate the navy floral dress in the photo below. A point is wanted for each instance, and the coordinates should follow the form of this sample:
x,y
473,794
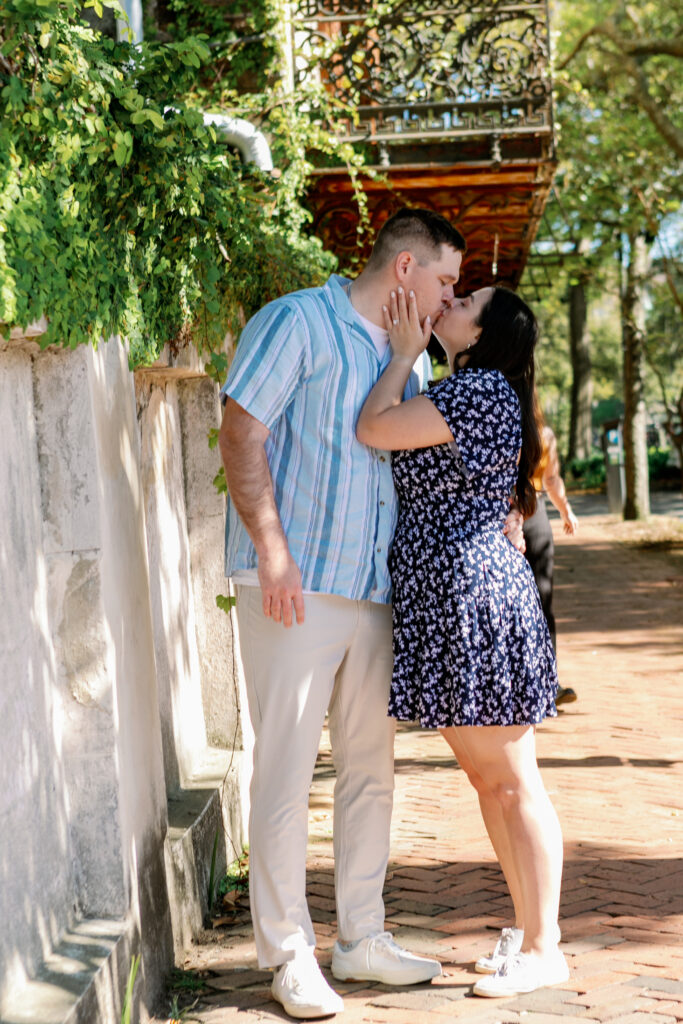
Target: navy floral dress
x,y
471,644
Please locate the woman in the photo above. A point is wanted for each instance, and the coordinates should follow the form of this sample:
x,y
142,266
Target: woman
x,y
538,534
472,653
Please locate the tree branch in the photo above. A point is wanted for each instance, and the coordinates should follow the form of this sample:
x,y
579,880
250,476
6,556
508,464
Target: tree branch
x,y
641,91
6,66
653,227
678,299
655,47
579,45
644,47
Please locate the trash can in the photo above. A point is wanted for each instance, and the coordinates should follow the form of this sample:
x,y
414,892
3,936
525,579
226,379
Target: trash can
x,y
613,449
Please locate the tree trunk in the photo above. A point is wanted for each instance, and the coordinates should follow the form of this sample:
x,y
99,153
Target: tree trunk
x,y
580,425
637,504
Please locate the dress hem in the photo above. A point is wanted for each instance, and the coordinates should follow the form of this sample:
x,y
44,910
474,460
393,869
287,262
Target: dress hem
x,y
481,725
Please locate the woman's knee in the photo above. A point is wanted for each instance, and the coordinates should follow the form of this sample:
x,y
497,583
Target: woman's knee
x,y
508,794
513,791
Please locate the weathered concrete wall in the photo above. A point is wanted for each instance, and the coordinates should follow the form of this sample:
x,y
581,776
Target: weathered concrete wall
x,y
177,658
74,539
36,875
205,517
108,679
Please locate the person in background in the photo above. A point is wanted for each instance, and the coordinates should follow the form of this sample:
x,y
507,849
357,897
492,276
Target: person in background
x,y
538,534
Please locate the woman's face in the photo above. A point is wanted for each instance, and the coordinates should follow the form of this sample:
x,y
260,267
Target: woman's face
x,y
457,328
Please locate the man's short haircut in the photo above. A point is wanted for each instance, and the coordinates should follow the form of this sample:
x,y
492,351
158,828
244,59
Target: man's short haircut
x,y
420,232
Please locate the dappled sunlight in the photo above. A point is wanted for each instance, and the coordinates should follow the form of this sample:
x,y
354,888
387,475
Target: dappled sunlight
x,y
120,458
78,691
177,661
613,766
35,854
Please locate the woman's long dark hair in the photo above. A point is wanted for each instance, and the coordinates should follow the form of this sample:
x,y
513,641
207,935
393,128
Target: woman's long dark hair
x,y
509,332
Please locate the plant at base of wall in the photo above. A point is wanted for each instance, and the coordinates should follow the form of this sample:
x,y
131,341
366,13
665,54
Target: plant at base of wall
x,y
130,985
180,1016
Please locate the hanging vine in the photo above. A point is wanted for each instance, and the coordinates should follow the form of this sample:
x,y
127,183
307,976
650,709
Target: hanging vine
x,y
120,211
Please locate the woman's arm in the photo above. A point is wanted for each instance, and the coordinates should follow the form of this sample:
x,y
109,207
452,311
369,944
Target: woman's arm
x,y
386,421
553,485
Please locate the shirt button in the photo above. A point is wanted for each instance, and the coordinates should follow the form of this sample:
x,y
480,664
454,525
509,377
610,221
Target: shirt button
x,y
382,458
379,551
381,503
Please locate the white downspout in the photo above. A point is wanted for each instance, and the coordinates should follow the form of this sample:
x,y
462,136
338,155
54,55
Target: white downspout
x,y
251,143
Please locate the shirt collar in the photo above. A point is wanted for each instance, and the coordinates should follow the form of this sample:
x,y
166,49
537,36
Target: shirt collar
x,y
337,291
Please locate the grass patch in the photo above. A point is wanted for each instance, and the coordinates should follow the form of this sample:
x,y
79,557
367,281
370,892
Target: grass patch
x,y
188,982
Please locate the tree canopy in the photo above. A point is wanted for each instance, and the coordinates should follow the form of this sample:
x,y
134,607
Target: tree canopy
x,y
618,176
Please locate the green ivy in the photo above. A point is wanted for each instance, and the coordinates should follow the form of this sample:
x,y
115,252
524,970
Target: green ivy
x,y
120,211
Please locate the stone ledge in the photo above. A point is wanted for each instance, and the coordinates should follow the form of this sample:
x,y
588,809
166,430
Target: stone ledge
x,y
81,980
177,364
208,806
22,337
172,364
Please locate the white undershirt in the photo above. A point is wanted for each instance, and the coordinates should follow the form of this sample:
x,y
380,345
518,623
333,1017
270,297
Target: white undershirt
x,y
380,337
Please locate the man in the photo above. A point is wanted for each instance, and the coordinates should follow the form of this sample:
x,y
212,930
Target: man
x,y
310,522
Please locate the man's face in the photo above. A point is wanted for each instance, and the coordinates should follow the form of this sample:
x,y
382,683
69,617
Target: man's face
x,y
433,282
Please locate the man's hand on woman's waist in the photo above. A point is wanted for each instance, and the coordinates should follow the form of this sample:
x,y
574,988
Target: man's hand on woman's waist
x,y
512,529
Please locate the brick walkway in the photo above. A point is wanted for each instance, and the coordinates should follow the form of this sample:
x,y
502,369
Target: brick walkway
x,y
613,763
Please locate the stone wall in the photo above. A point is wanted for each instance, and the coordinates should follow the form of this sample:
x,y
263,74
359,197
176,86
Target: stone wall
x,y
123,754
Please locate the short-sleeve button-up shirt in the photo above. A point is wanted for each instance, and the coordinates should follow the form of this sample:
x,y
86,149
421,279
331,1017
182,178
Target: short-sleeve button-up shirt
x,y
304,366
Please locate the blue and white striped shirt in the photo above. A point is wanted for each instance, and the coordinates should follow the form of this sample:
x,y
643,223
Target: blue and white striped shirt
x,y
304,366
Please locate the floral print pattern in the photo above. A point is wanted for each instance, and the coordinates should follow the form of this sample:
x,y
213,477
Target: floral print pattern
x,y
471,644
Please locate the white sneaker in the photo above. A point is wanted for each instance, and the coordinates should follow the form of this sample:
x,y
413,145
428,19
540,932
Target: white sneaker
x,y
379,958
302,990
510,942
523,973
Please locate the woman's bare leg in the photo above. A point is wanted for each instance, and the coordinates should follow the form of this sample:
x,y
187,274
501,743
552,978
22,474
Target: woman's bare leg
x,y
494,821
505,758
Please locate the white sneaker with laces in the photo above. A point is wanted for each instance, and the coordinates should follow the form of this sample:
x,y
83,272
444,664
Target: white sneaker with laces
x,y
379,958
523,973
299,985
510,942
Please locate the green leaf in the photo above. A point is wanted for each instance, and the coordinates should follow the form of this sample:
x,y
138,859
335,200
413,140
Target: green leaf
x,y
225,603
156,119
219,482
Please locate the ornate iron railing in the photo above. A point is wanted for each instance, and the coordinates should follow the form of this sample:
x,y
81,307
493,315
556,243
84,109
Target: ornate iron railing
x,y
419,70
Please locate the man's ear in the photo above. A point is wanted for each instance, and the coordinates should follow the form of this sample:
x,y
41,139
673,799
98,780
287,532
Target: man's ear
x,y
403,264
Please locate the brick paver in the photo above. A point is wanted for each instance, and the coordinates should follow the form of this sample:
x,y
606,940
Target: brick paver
x,y
613,763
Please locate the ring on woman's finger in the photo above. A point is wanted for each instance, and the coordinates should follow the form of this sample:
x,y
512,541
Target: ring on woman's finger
x,y
394,322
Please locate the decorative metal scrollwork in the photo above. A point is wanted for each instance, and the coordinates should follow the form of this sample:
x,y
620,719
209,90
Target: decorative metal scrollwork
x,y
414,68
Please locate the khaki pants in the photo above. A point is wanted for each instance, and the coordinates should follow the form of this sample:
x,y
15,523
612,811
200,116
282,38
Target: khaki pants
x,y
340,659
